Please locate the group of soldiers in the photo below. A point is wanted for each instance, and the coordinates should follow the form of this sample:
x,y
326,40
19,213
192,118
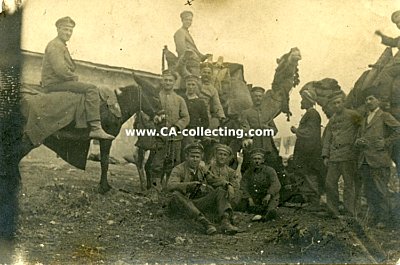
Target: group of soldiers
x,y
198,172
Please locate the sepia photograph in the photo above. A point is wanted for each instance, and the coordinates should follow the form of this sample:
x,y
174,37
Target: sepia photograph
x,y
199,132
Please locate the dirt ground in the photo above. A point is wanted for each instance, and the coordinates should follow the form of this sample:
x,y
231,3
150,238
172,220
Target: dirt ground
x,y
64,220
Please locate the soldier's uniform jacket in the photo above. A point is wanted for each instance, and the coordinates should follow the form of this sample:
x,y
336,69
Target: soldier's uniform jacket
x,y
380,133
198,113
184,41
252,119
340,135
209,94
182,174
176,112
220,176
258,182
57,65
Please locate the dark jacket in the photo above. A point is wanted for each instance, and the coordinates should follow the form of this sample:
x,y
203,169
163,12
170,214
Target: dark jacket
x,y
308,143
198,113
380,134
257,183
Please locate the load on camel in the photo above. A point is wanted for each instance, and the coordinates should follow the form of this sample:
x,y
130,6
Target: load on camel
x,y
376,76
57,120
235,97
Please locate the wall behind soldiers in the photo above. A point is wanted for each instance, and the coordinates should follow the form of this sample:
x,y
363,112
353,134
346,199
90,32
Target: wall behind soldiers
x,y
336,38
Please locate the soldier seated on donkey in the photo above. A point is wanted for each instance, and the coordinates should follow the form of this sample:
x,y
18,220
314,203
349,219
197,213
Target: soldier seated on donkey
x,y
58,74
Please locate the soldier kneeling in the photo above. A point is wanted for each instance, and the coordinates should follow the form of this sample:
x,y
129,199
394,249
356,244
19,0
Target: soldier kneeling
x,y
260,188
192,195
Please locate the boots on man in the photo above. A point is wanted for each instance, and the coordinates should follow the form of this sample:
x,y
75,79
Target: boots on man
x,y
97,132
210,229
226,226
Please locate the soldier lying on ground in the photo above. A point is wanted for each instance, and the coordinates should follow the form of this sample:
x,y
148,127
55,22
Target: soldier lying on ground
x,y
260,186
192,196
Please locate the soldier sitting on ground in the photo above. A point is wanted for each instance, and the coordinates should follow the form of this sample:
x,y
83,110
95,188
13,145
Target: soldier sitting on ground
x,y
191,194
260,186
221,175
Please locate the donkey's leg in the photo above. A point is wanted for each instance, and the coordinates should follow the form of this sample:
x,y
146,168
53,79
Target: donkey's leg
x,y
105,146
140,167
23,148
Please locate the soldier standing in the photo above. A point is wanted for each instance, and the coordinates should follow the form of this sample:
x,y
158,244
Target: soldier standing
x,y
167,151
252,119
340,157
196,107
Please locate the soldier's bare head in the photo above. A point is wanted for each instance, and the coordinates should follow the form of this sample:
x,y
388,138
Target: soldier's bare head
x,y
186,18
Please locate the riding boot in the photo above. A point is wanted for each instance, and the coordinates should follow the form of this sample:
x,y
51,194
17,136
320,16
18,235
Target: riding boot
x,y
210,229
226,225
97,132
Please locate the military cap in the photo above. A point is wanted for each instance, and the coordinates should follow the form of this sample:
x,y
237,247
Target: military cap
x,y
206,65
257,151
194,148
186,13
371,91
309,95
169,72
257,88
224,148
336,95
192,77
65,22
396,17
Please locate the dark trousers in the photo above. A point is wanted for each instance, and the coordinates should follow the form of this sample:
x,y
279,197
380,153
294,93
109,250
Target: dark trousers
x,y
312,172
213,204
243,205
352,185
396,156
92,97
375,182
163,158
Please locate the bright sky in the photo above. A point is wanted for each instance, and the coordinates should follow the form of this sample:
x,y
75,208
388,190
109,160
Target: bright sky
x,y
336,37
